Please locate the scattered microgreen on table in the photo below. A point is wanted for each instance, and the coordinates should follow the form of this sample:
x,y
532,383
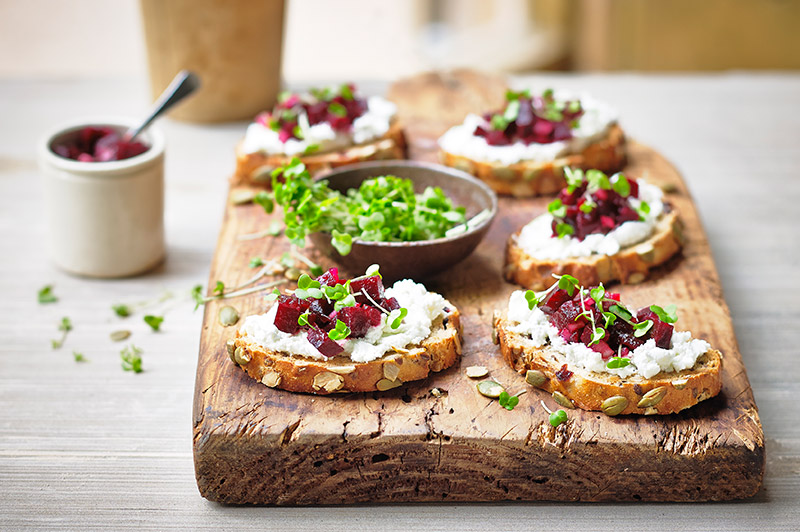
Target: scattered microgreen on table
x,y
154,321
65,326
131,358
46,295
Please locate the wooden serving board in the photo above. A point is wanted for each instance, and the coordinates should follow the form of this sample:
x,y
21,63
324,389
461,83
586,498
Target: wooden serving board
x,y
257,445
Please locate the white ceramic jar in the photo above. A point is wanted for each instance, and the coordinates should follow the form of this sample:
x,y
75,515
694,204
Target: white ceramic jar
x,y
106,219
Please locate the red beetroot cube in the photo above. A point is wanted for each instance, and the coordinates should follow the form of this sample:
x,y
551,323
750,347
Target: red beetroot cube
x,y
320,339
554,300
330,278
662,334
372,285
289,309
390,304
603,348
359,319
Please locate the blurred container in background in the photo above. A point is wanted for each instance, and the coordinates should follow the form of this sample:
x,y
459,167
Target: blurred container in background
x,y
234,46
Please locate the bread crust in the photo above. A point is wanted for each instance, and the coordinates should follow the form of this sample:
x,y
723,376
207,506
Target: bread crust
x,y
256,168
441,350
631,265
527,178
588,390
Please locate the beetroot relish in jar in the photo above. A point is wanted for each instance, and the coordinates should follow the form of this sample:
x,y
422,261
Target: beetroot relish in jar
x,y
98,144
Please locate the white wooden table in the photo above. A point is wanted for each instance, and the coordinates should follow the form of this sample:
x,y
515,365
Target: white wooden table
x,y
87,445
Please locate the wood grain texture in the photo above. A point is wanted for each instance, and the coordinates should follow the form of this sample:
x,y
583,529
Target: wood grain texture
x,y
257,445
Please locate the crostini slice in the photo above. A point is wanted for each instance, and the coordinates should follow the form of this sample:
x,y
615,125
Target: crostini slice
x,y
325,128
523,149
598,229
333,335
589,351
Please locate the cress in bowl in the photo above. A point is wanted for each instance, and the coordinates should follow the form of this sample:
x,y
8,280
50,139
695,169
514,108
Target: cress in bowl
x,y
414,219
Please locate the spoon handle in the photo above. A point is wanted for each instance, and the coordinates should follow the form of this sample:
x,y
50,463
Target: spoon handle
x,y
181,86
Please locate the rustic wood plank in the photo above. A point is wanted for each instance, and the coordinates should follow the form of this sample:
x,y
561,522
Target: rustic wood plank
x,y
258,445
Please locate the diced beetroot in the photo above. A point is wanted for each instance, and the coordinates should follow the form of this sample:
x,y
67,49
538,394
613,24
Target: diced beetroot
x,y
661,332
634,192
565,315
628,340
359,319
603,348
330,278
99,144
390,304
563,374
607,222
586,335
554,300
322,342
645,313
372,285
289,309
613,296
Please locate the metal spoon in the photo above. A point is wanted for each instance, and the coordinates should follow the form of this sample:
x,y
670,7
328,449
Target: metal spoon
x,y
184,84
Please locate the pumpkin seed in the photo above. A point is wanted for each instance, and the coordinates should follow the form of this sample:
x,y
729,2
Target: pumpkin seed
x,y
495,339
636,278
386,384
561,399
118,336
330,382
342,370
504,174
490,389
240,356
669,187
271,378
230,345
614,405
228,316
476,372
653,397
391,371
242,196
680,384
262,174
292,274
534,377
646,252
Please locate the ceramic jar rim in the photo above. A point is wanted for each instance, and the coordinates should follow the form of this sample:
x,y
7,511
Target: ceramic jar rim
x,y
154,137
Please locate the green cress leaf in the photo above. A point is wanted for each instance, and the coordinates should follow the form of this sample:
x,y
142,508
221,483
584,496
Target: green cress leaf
x,y
316,270
197,295
512,111
622,313
337,109
154,321
264,199
302,319
298,132
530,297
65,325
340,332
283,96
311,149
618,362
507,401
563,230
255,262
597,180
557,208
568,283
79,357
274,124
574,178
558,417
346,91
272,296
598,294
598,334
286,260
131,358
574,106
219,288
621,185
587,206
373,269
547,94
343,242
123,311
643,209
640,329
609,319
499,123
396,317
668,314
45,295
347,301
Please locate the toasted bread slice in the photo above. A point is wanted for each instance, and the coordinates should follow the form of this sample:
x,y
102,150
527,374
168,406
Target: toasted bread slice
x,y
630,265
528,178
256,168
339,374
664,393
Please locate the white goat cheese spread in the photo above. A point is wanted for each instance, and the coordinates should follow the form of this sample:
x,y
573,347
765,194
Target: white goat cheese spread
x,y
373,124
592,125
537,239
647,360
423,309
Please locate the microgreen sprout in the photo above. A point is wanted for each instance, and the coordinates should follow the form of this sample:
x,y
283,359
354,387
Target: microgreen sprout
x,y
574,178
563,229
219,288
154,321
509,401
568,283
79,357
46,295
302,319
65,326
667,314
640,329
618,362
530,297
131,358
340,332
396,317
621,185
255,262
557,208
557,418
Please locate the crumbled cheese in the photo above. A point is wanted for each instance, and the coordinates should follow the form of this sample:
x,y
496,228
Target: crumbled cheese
x,y
537,239
593,124
647,360
373,124
423,309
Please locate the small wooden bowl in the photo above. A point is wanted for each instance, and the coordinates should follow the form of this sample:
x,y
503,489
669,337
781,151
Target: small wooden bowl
x,y
422,258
